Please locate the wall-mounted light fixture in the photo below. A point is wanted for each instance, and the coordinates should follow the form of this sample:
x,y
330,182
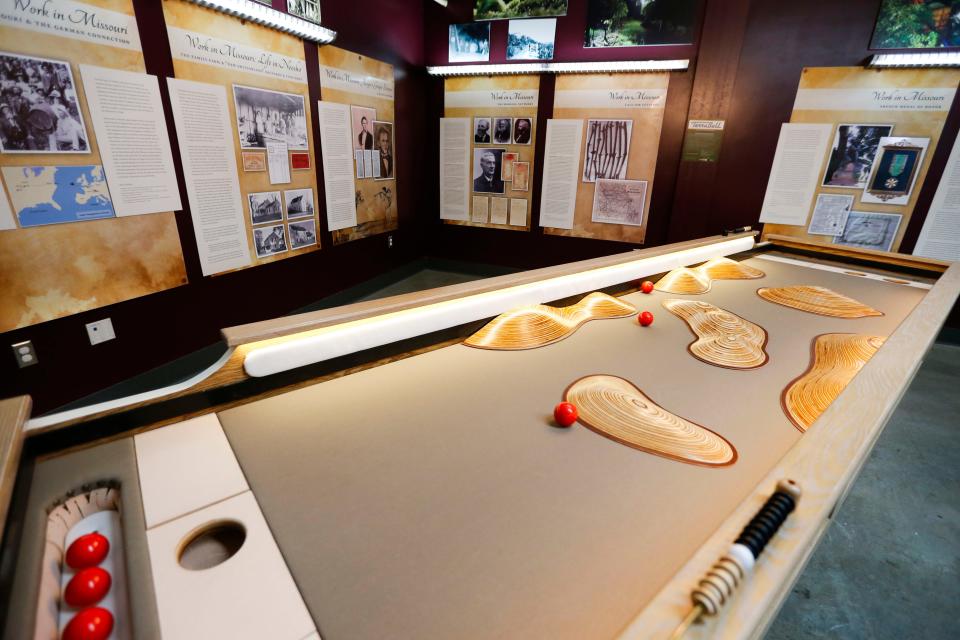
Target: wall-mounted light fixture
x,y
559,67
920,59
261,14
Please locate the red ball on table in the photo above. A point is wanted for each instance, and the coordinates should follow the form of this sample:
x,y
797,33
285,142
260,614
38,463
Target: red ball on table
x,y
645,319
88,550
87,587
94,623
646,287
565,414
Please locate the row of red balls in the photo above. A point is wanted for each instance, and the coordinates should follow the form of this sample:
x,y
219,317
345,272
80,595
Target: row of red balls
x,y
565,413
87,587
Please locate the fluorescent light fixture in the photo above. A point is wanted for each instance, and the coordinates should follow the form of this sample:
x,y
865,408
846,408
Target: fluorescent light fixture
x,y
318,345
262,14
924,59
559,67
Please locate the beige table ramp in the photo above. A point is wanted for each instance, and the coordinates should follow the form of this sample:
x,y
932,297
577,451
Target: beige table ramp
x,y
723,338
818,300
687,281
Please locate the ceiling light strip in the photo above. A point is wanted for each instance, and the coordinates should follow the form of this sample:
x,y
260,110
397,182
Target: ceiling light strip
x,y
559,67
924,59
262,14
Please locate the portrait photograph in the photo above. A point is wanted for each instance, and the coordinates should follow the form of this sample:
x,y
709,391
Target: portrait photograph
x,y
503,130
522,130
299,203
895,170
487,165
269,240
606,149
265,207
499,10
482,130
531,39
264,115
39,109
469,42
361,122
306,9
383,138
303,233
521,176
628,23
852,155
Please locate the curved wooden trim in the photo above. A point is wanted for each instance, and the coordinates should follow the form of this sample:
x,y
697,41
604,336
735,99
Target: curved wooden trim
x,y
899,259
14,413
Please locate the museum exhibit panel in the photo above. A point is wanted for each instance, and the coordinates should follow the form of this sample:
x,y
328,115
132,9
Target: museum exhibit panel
x,y
457,318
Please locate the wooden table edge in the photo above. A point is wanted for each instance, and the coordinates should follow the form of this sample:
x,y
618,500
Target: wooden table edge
x,y
14,413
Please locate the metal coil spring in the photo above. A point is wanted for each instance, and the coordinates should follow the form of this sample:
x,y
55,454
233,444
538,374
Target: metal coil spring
x,y
718,584
765,524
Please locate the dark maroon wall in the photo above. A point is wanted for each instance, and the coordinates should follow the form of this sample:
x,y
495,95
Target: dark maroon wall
x,y
157,328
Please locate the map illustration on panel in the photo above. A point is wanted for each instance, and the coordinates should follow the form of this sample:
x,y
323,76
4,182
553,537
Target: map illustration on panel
x,y
54,195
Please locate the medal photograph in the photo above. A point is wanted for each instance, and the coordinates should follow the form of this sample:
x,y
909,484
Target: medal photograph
x,y
479,319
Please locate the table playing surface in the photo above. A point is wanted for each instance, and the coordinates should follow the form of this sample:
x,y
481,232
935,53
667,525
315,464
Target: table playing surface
x,y
433,497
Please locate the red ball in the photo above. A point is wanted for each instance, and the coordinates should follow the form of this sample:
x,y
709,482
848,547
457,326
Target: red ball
x,y
646,287
88,550
565,414
94,623
645,319
87,587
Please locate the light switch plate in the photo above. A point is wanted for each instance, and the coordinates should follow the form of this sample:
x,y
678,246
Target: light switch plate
x,y
100,331
25,354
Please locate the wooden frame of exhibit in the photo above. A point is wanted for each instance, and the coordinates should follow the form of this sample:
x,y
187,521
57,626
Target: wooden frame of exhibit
x,y
824,462
359,81
490,97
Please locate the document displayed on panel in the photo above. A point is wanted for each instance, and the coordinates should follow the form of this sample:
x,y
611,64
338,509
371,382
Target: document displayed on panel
x,y
561,165
202,119
455,176
940,236
337,151
795,173
132,135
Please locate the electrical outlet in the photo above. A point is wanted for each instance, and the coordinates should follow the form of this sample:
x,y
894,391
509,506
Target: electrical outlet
x,y
26,356
389,242
100,331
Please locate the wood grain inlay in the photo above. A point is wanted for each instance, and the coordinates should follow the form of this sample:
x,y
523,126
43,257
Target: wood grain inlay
x,y
819,300
837,357
723,338
700,279
615,408
540,325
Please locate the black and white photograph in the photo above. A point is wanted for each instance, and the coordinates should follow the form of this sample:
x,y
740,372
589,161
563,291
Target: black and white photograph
x,y
361,123
269,240
606,149
299,203
306,9
39,109
383,137
503,130
265,207
867,230
531,39
619,201
522,130
487,164
270,115
303,233
469,42
482,130
854,148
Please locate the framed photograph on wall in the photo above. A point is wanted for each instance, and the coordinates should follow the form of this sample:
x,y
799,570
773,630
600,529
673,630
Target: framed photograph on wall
x,y
302,233
383,142
500,10
487,168
482,126
361,121
522,130
265,207
469,42
531,39
606,149
917,24
895,170
625,23
503,130
264,115
852,155
269,241
306,9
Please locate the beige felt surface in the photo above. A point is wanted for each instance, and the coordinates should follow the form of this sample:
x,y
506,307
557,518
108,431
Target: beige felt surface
x,y
431,498
184,467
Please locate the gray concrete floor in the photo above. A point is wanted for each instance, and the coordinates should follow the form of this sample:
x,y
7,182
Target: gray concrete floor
x,y
889,565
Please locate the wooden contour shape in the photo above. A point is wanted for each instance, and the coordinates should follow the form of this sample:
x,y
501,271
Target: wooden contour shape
x,y
700,279
615,408
723,339
819,300
540,325
837,357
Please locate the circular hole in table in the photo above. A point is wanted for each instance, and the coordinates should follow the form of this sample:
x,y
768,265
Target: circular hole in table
x,y
211,545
